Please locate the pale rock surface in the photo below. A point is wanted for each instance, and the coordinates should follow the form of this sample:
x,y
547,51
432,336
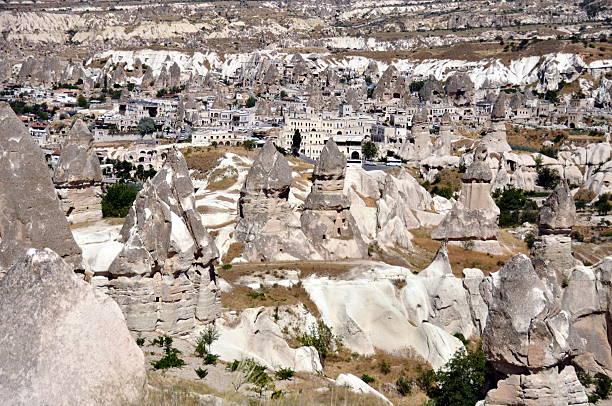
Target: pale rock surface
x,y
31,216
358,386
254,334
59,332
78,176
548,387
367,314
163,278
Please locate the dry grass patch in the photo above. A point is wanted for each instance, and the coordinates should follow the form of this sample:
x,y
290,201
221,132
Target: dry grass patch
x,y
307,268
242,297
235,250
385,369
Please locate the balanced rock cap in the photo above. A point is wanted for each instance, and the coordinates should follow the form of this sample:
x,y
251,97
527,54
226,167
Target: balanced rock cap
x,y
479,170
558,211
332,162
270,171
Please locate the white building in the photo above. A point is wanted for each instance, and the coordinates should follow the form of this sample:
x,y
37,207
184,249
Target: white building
x,y
315,129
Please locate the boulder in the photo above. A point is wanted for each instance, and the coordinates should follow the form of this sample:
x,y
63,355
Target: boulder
x,y
55,348
164,277
358,386
31,216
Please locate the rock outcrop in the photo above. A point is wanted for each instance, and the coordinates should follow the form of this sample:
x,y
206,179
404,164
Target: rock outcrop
x,y
474,216
31,216
164,278
264,194
552,250
267,224
529,339
78,176
588,297
326,219
496,139
418,146
63,342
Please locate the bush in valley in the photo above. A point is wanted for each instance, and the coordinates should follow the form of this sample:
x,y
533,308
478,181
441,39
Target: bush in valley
x,y
201,373
171,357
284,374
548,178
322,339
602,205
583,197
367,379
118,200
205,340
602,383
461,382
384,367
515,207
250,372
403,386
530,240
210,359
550,152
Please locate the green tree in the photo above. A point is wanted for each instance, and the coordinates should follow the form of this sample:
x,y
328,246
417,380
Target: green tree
x,y
207,337
118,200
146,125
603,204
296,142
251,101
82,102
321,338
548,178
461,382
369,150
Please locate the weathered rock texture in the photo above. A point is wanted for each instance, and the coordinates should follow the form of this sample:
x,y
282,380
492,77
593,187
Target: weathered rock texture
x,y
164,279
63,342
529,339
78,176
30,215
327,220
419,145
588,297
474,216
264,194
552,250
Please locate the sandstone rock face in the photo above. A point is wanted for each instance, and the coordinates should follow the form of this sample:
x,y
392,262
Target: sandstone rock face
x,y
525,329
164,278
52,321
77,176
474,216
264,194
327,220
548,387
31,216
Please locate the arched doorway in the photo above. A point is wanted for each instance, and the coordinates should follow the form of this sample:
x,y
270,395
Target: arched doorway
x,y
355,155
